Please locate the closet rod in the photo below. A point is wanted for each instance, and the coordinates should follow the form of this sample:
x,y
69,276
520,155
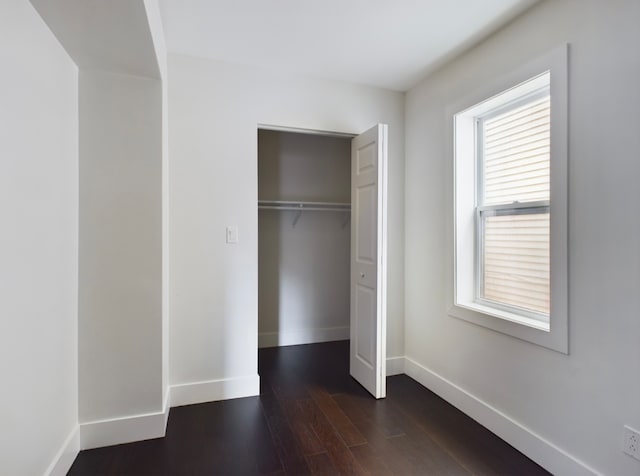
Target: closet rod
x,y
306,206
303,206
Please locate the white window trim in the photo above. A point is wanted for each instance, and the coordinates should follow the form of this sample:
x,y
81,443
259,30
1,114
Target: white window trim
x,y
553,335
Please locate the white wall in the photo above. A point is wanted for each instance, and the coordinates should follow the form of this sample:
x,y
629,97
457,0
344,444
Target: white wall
x,y
578,402
120,289
38,244
303,270
215,110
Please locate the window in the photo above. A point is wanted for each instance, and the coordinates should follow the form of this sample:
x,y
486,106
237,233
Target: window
x,y
510,162
512,215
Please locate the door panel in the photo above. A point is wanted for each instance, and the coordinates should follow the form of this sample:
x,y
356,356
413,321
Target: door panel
x,y
366,224
366,339
368,260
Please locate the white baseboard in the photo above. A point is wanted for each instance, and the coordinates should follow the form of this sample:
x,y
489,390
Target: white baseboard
x,y
302,336
117,431
395,366
66,455
213,390
543,452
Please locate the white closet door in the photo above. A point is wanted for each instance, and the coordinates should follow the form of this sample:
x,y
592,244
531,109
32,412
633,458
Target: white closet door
x,y
368,260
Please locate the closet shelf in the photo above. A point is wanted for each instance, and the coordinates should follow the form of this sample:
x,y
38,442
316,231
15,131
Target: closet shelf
x,y
306,206
303,206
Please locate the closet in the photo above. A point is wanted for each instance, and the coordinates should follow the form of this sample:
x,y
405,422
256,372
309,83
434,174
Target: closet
x,y
304,203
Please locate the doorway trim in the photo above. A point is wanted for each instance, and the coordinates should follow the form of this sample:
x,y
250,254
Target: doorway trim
x,y
302,130
327,133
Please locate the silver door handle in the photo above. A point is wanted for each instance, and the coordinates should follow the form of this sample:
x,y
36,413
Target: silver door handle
x,y
362,275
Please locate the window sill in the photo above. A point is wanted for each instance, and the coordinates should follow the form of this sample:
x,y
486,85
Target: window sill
x,y
530,330
492,312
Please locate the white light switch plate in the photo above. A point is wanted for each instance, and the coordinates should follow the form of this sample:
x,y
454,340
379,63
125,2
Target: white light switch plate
x,y
232,234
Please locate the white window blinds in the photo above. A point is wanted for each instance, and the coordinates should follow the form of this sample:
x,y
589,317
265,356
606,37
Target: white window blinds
x,y
516,261
514,205
516,154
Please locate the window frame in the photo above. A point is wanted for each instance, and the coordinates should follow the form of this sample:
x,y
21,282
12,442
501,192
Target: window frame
x,y
464,304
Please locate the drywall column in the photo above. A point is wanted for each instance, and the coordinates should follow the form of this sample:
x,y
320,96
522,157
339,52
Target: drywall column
x,y
120,258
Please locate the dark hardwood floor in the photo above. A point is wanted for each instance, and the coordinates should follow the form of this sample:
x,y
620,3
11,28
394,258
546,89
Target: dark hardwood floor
x,y
312,418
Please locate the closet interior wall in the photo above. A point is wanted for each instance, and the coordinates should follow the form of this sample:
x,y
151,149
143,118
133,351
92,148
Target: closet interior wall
x,y
303,257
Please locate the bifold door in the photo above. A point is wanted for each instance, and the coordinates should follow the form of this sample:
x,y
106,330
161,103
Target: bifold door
x,y
368,260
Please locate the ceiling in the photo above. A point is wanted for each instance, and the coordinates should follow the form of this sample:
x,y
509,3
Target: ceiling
x,y
384,43
103,34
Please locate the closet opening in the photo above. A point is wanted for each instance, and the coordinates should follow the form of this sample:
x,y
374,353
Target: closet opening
x,y
304,237
322,244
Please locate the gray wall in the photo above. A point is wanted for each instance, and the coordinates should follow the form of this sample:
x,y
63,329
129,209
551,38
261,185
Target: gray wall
x,y
577,402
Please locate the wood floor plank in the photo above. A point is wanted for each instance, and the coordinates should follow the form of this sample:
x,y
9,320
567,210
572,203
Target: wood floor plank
x,y
422,447
286,444
321,464
345,428
353,405
99,461
337,451
301,426
404,454
371,461
378,438
232,436
427,458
